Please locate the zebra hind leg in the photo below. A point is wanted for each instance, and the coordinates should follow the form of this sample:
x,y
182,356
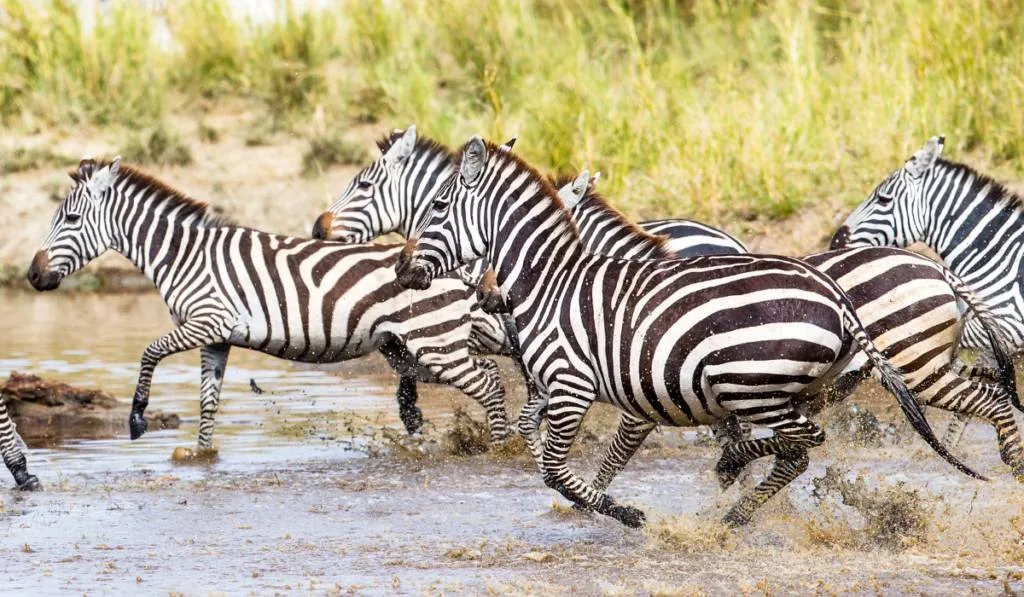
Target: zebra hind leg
x,y
794,434
969,397
408,412
14,458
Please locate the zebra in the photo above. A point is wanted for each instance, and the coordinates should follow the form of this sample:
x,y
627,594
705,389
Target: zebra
x,y
225,285
680,342
392,194
12,450
971,221
909,304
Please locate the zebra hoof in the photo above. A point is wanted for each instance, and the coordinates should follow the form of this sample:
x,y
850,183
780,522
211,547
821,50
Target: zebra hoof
x,y
29,483
734,519
726,475
136,425
628,515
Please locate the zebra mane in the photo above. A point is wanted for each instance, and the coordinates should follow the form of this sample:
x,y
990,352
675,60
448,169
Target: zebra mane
x,y
163,192
999,191
423,144
501,155
598,201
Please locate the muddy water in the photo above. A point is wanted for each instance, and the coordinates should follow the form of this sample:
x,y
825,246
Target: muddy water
x,y
310,496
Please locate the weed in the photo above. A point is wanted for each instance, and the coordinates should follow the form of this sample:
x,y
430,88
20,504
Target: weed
x,y
157,146
332,149
21,159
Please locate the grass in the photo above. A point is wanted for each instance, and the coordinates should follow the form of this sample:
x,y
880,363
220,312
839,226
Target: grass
x,y
716,110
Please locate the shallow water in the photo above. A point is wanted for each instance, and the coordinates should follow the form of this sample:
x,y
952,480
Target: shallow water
x,y
309,497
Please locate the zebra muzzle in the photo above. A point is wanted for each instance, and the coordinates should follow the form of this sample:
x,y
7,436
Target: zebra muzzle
x,y
39,275
410,272
322,226
840,238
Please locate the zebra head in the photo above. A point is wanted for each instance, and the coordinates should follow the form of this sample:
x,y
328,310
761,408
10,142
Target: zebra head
x,y
78,233
452,234
371,204
896,212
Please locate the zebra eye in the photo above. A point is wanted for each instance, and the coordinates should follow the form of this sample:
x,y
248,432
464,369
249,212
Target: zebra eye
x,y
71,218
884,197
364,185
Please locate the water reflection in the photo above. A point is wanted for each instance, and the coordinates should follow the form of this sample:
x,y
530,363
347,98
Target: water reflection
x,y
94,341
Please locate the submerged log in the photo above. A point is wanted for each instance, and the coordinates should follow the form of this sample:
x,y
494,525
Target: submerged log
x,y
48,412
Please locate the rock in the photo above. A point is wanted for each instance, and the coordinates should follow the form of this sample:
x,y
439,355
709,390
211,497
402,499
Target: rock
x,y
48,412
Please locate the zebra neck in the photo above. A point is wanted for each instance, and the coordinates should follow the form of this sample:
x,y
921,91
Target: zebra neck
x,y
159,240
971,221
530,253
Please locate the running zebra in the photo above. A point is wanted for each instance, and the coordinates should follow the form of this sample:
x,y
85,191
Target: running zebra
x,y
301,300
908,303
677,342
390,195
974,223
11,448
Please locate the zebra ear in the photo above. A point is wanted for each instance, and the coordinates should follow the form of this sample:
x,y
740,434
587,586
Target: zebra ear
x,y
572,193
924,159
402,148
100,182
473,158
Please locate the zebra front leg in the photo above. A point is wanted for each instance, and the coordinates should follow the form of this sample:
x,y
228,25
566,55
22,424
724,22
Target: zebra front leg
x,y
530,418
565,414
190,335
10,449
630,435
212,362
794,434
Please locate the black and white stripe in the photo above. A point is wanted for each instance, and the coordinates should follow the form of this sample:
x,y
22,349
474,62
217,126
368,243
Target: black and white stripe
x,y
302,300
682,342
11,449
974,224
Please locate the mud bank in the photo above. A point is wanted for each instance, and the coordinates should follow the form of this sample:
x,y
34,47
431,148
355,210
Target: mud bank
x,y
49,412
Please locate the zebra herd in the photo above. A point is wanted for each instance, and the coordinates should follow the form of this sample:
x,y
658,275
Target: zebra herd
x,y
672,321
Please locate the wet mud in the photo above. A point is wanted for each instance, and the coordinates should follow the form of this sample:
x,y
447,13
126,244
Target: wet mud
x,y
317,490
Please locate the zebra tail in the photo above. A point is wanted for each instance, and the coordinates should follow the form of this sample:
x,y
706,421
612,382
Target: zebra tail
x,y
892,380
987,319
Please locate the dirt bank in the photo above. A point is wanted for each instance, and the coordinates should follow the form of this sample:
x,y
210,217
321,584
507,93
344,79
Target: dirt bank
x,y
49,412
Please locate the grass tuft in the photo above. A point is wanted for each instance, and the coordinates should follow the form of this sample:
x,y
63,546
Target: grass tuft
x,y
332,149
157,146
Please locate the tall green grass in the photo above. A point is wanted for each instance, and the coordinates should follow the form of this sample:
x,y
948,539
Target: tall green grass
x,y
708,108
